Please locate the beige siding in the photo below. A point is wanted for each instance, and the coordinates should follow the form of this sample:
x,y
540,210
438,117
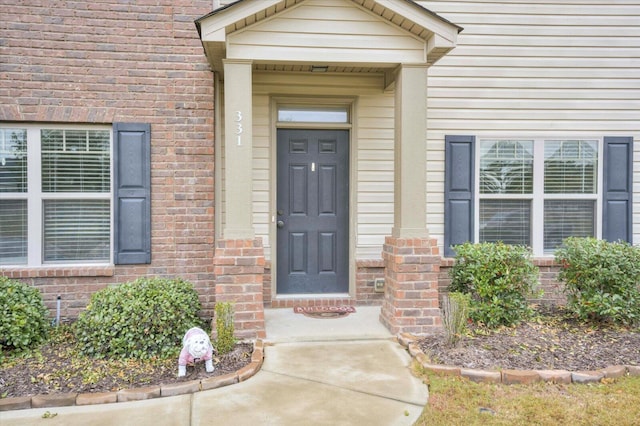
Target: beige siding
x,y
326,31
261,169
375,174
556,68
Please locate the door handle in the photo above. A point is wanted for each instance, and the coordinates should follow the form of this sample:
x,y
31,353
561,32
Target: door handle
x,y
280,224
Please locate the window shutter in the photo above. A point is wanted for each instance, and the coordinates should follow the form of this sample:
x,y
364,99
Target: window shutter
x,y
459,191
618,184
132,170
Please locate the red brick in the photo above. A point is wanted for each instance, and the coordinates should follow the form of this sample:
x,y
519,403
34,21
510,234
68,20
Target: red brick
x,y
180,388
555,376
443,370
96,398
138,394
614,371
248,371
519,377
53,400
586,376
17,403
481,376
633,370
219,381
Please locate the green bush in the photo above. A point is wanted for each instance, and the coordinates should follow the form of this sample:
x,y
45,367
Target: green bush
x,y
225,340
498,277
23,316
141,319
602,279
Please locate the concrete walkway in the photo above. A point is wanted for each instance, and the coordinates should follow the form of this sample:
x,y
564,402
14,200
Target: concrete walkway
x,y
345,371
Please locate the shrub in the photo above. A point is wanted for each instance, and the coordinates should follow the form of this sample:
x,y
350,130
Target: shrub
x,y
141,319
498,277
23,316
225,341
602,279
455,310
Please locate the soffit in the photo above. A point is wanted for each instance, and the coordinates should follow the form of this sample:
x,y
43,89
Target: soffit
x,y
219,26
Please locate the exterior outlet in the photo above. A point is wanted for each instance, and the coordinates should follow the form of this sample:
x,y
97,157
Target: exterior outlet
x,y
378,285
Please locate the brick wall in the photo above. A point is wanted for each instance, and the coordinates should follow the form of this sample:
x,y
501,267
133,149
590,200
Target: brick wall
x,y
548,279
105,61
366,273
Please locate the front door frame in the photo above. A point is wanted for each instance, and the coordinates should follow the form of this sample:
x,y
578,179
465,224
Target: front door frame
x,y
351,103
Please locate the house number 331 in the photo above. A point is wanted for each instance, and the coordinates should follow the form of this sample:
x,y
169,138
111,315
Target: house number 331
x,y
239,128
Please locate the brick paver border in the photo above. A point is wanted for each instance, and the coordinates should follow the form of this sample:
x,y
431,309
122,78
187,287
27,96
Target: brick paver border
x,y
512,377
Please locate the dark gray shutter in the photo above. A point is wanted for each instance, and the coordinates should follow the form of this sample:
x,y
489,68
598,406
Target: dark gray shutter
x,y
458,191
132,179
618,188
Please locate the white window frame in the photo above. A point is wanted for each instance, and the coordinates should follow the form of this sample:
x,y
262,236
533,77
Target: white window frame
x,y
35,197
538,197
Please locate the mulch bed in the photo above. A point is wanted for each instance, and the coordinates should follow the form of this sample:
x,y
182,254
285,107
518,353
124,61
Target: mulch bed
x,y
56,368
553,340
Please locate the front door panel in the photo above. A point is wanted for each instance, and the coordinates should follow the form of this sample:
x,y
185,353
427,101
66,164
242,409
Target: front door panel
x,y
313,211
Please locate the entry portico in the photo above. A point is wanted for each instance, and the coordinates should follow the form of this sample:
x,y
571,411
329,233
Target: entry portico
x,y
388,44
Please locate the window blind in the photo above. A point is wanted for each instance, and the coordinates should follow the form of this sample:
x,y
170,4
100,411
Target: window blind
x,y
508,221
13,232
567,218
570,167
506,167
75,160
13,160
76,230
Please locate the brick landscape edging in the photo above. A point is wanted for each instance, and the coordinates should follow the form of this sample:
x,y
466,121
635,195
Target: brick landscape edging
x,y
138,394
512,377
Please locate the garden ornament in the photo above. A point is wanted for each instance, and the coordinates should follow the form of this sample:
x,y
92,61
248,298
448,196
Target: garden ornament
x,y
196,346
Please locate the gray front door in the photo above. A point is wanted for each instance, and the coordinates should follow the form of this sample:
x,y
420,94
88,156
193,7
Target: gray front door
x,y
313,211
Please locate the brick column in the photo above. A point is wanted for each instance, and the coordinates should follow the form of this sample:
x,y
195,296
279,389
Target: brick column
x,y
411,285
239,270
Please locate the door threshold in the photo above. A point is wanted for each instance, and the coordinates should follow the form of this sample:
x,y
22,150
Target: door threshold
x,y
312,296
326,299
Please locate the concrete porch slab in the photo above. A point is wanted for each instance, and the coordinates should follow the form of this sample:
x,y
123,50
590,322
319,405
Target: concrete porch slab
x,y
283,325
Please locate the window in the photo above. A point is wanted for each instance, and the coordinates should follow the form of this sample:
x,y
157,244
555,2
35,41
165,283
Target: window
x,y
55,195
13,203
537,192
313,114
506,171
519,178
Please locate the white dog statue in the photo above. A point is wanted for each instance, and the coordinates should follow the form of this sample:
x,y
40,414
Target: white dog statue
x,y
196,346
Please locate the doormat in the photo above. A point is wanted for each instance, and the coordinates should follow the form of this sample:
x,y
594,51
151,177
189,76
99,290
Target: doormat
x,y
324,311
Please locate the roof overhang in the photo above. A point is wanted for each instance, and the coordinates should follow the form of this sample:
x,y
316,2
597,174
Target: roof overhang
x,y
225,31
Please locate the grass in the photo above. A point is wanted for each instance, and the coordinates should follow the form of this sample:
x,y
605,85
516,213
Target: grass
x,y
458,401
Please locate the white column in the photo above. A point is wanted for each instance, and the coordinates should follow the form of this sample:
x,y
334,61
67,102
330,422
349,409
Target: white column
x,y
238,154
410,152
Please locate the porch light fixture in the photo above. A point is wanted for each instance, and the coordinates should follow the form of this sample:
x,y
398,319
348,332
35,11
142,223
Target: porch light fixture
x,y
319,68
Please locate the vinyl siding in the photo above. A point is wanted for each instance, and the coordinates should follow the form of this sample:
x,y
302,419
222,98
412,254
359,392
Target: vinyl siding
x,y
553,69
326,31
375,174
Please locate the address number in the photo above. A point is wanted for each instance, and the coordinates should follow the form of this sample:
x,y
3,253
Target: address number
x,y
239,128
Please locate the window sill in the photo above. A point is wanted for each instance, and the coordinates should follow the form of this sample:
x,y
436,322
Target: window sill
x,y
58,271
